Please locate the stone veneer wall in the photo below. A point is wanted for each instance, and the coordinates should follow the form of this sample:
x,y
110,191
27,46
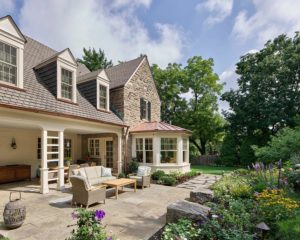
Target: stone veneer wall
x,y
141,85
117,99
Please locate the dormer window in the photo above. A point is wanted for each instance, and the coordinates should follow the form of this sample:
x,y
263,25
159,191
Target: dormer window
x,y
102,96
8,63
66,84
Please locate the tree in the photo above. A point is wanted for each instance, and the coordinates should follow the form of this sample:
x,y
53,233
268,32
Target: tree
x,y
229,149
95,60
268,97
198,112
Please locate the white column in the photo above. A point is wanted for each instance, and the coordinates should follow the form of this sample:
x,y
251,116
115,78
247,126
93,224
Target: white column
x,y
133,147
44,164
156,150
61,177
179,151
119,153
188,151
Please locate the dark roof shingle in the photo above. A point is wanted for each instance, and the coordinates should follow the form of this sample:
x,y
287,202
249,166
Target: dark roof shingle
x,y
121,73
37,97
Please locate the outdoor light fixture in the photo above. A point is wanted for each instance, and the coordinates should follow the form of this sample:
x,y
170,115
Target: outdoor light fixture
x,y
13,143
263,228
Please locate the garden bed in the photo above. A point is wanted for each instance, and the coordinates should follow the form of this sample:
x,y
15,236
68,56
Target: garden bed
x,y
244,202
173,178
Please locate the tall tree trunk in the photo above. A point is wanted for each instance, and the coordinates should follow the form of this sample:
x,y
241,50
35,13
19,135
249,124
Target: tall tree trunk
x,y
201,147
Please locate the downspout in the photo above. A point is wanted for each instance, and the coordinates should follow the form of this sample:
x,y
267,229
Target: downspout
x,y
126,134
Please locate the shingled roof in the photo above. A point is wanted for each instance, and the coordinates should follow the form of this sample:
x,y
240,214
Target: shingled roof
x,y
121,73
37,97
157,127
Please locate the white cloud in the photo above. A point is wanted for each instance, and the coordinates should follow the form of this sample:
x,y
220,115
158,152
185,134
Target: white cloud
x,y
109,25
6,7
271,18
219,10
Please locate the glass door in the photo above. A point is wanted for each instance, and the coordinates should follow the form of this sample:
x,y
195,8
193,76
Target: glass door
x,y
109,154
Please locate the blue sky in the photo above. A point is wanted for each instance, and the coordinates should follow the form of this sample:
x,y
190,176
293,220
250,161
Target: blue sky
x,y
165,30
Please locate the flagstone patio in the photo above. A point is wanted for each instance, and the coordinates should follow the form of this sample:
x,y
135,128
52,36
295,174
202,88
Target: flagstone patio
x,y
133,216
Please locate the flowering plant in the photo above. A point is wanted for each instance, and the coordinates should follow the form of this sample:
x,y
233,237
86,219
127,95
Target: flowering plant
x,y
275,206
89,225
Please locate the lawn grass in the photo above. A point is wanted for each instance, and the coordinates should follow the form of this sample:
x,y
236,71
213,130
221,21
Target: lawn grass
x,y
216,170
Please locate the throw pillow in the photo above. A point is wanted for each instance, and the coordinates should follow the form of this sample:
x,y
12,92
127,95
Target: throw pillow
x,y
106,172
142,171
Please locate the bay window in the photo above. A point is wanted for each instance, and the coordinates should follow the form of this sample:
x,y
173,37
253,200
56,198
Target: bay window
x,y
168,150
184,149
144,150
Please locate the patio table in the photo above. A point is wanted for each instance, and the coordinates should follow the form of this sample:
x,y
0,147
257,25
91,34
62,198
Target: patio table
x,y
121,182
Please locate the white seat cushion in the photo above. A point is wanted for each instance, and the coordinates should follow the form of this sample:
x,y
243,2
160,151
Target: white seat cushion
x,y
106,172
138,178
90,172
98,171
75,172
143,171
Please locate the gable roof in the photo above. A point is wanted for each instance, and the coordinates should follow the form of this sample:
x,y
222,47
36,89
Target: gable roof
x,y
158,127
15,26
36,96
121,73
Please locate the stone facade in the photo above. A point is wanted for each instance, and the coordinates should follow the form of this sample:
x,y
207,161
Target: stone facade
x,y
127,98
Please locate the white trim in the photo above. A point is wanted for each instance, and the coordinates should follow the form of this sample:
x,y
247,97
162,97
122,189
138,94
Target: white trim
x,y
105,83
66,65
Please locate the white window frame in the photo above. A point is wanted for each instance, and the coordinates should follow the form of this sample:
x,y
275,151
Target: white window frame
x,y
144,150
93,148
71,85
63,64
185,146
169,150
11,41
104,83
147,115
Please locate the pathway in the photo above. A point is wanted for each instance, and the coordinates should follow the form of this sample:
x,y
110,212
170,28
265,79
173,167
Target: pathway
x,y
203,181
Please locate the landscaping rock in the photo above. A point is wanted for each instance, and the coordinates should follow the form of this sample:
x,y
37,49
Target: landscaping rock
x,y
201,195
186,209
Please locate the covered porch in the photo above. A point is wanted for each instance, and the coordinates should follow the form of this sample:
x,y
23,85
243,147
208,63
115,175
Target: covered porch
x,y
47,144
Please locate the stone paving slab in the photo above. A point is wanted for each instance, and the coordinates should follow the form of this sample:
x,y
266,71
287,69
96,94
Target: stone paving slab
x,y
203,181
133,216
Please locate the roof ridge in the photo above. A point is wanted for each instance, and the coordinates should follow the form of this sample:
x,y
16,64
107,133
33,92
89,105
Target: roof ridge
x,y
142,57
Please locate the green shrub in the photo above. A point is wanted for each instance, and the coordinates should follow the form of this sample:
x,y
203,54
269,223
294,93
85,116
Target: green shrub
x,y
247,155
192,173
133,166
175,174
241,190
122,175
157,175
167,180
229,153
183,229
293,178
289,229
241,172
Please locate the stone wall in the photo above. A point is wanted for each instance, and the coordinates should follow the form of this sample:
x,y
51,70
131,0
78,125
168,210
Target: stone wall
x,y
117,99
141,85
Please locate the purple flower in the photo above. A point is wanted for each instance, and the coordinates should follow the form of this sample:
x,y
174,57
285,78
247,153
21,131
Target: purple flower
x,y
99,215
109,238
74,215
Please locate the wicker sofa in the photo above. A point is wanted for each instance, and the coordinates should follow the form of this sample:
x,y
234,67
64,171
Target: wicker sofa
x,y
86,185
95,175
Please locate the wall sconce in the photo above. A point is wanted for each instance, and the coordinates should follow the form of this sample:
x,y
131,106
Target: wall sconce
x,y
13,143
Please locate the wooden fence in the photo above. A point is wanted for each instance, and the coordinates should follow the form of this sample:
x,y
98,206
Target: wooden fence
x,y
204,160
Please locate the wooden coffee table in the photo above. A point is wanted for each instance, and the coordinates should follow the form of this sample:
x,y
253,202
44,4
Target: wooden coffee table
x,y
117,183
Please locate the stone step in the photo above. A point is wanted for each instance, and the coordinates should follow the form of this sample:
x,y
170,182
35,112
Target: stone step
x,y
186,209
201,195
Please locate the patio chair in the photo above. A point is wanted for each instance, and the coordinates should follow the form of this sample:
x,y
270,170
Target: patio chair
x,y
84,194
143,176
71,168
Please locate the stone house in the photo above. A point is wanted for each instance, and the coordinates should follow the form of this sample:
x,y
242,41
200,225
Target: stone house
x,y
54,111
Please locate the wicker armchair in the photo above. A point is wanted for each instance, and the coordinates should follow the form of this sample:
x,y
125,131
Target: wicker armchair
x,y
84,194
143,176
70,171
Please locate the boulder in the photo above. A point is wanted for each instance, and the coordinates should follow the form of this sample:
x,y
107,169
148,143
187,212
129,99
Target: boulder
x,y
201,195
186,209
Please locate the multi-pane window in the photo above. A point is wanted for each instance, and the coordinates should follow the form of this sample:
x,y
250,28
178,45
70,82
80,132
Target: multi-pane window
x,y
145,109
102,96
94,147
8,63
149,150
184,149
168,152
139,150
109,154
66,83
